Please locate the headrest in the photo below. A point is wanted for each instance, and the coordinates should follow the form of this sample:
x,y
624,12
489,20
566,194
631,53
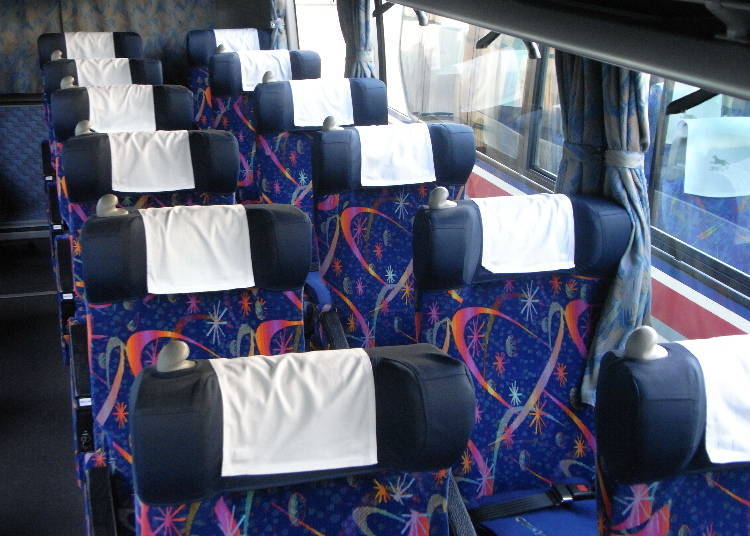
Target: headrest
x,y
80,45
146,71
602,233
146,162
201,44
275,104
337,164
424,413
172,108
229,76
116,265
680,409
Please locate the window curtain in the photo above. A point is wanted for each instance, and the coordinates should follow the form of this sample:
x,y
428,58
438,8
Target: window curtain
x,y
356,25
278,26
605,121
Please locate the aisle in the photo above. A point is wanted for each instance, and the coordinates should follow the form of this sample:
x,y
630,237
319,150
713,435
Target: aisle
x,y
38,493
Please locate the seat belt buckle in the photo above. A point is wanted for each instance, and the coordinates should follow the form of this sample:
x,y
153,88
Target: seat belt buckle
x,y
567,493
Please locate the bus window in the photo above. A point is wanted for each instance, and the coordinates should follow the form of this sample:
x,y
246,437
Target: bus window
x,y
701,180
446,78
547,151
319,30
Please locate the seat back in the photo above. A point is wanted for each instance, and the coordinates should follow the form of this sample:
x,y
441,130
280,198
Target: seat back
x,y
364,229
127,327
201,45
232,76
663,446
89,45
524,337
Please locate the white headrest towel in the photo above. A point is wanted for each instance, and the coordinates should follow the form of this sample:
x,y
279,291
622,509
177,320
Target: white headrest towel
x,y
103,72
121,108
156,161
89,45
317,98
237,39
725,362
197,249
297,412
255,63
396,154
527,233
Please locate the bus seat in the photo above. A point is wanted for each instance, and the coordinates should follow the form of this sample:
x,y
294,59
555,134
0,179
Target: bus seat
x,y
525,338
423,400
201,45
662,423
90,45
364,229
127,325
234,108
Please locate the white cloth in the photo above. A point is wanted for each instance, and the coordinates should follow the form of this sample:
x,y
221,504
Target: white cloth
x,y
725,362
717,156
297,412
396,154
317,98
103,72
237,39
151,161
527,233
89,45
197,249
121,108
255,63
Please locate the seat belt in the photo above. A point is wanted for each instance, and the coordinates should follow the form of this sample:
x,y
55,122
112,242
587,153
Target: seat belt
x,y
557,495
458,517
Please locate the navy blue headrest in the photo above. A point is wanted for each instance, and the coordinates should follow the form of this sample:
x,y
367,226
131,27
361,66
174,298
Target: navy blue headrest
x,y
225,71
337,160
651,417
274,107
114,252
602,233
173,109
146,72
425,413
201,45
87,161
127,45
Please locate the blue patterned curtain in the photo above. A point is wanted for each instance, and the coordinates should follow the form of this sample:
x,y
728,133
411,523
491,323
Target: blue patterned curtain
x,y
356,25
278,16
605,116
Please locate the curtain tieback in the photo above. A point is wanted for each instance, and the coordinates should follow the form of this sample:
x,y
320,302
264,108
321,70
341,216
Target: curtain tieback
x,y
364,56
582,152
623,159
278,24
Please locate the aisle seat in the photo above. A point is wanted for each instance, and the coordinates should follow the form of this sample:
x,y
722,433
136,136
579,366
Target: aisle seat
x,y
233,77
369,183
160,274
201,45
511,286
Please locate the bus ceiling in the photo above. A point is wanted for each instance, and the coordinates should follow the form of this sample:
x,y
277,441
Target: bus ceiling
x,y
702,43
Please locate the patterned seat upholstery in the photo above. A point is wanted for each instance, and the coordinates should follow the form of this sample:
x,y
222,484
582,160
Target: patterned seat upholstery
x,y
234,110
201,45
525,338
364,234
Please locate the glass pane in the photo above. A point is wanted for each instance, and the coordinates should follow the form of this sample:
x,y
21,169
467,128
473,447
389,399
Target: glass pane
x,y
702,192
446,78
549,142
318,29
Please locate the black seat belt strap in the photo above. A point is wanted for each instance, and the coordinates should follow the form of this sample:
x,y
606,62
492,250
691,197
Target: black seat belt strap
x,y
458,516
557,495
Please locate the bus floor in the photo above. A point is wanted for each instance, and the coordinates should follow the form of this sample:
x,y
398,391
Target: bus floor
x,y
38,492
